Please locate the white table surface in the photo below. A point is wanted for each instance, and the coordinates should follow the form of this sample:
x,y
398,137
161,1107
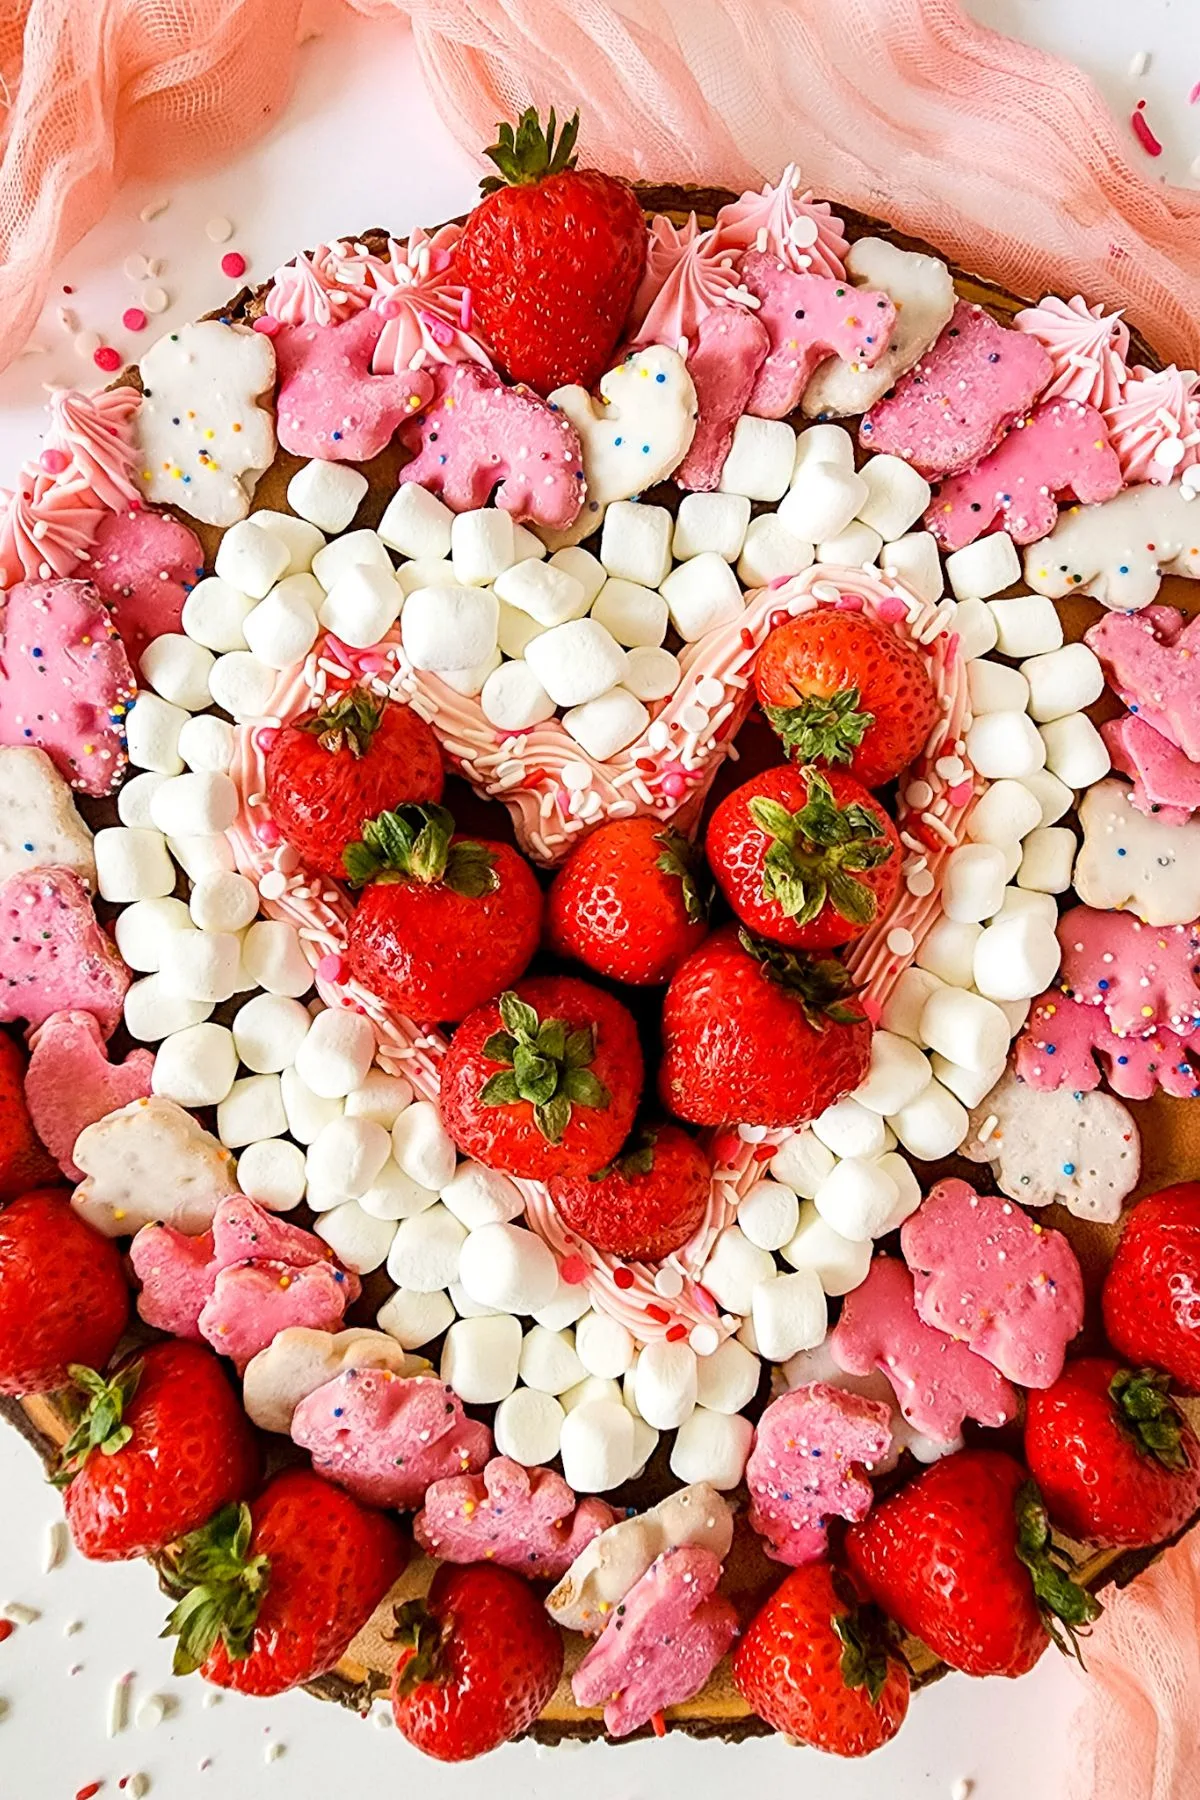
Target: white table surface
x,y
299,185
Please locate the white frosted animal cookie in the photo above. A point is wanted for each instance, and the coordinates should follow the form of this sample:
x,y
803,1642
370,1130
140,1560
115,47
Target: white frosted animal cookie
x,y
150,1161
1131,859
299,1361
1119,550
203,436
1080,1149
603,1573
39,827
924,295
636,434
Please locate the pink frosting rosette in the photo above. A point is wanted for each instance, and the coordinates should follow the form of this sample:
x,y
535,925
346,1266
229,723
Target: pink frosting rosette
x,y
425,304
1086,345
803,232
1154,426
688,274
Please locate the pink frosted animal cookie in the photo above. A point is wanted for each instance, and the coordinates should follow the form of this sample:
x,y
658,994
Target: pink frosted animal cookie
x,y
806,1467
144,563
65,680
939,1382
54,957
1060,450
809,318
70,1083
1068,1044
661,1644
478,432
330,405
954,405
1152,660
387,1439
526,1520
730,349
1166,783
985,1273
1142,976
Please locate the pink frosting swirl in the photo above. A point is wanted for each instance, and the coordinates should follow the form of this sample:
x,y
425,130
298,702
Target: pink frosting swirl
x,y
687,276
427,308
310,290
1086,345
95,432
803,232
46,527
1154,426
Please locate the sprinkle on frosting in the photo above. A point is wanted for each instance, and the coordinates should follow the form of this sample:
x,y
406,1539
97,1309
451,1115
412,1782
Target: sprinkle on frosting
x,y
1155,425
801,231
95,433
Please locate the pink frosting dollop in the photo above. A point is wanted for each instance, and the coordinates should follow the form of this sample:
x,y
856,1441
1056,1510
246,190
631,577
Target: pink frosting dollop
x,y
803,232
1154,426
46,526
321,289
687,276
425,304
1086,345
95,433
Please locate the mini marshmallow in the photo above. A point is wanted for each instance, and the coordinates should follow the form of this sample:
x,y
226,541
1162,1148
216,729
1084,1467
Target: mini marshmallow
x,y
712,1447
482,545
734,1269
327,494
144,931
802,1161
223,902
302,539
132,864
839,1263
716,522
821,501
359,1242
1047,860
896,496
152,728
195,805
967,1085
508,1267
768,1213
603,1345
965,1027
548,1360
973,882
480,1196
271,1171
423,574
1012,859
771,553
934,1125
307,1113
1075,751
241,685
824,444
665,1384
903,1007
395,1195
1016,958
850,1129
282,629
527,545
479,1358
898,1072
211,853
1062,681
983,568
702,594
470,682
415,1319
252,1109
548,593
857,547
214,614
196,1066
516,629
975,626
568,1303
635,615
1005,743
576,662
133,799
914,560
608,724
790,1313
1021,900
1052,795
426,1251
274,958
422,1146
363,604
1006,813
651,674
727,1380
466,1308
381,1097
907,1185
250,558
528,1428
994,687
761,459
1016,1012
204,965
585,568
948,951
597,1446
512,698
1026,626
416,523
857,1198
347,1155
206,745
151,1013
635,544
336,1053
178,670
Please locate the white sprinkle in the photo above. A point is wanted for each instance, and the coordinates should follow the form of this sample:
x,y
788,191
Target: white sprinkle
x,y
155,266
118,1704
962,1790
576,776
901,942
825,590
152,210
920,883
138,1785
274,1751
987,1128
85,344
33,349
155,299
212,1698
55,1544
693,716
669,1283
152,1711
219,231
135,267
273,885
918,794
709,691
1139,63
381,1718
21,1614
704,1339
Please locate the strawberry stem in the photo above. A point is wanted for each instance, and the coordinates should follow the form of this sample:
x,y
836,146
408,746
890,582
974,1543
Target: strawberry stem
x,y
823,985
544,1064
825,728
425,1638
100,1424
1067,1609
818,853
864,1661
684,861
348,722
1148,1416
637,1158
414,844
220,1588
529,154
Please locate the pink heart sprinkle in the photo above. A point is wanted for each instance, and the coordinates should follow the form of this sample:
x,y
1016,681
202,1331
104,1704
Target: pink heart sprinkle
x,y
268,833
267,325
960,793
573,1270
891,610
331,968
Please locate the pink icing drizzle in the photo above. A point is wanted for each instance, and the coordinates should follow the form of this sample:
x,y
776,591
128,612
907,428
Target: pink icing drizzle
x,y
46,526
95,433
1155,425
687,276
805,233
1086,345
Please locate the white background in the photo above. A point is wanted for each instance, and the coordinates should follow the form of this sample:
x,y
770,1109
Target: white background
x,y
304,183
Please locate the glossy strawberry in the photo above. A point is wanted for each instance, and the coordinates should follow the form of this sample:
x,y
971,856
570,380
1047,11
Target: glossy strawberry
x,y
646,1203
544,1082
1152,1290
331,770
161,1446
446,922
553,256
479,1661
808,859
271,1595
963,1558
24,1163
630,902
841,688
63,1296
759,1036
814,1662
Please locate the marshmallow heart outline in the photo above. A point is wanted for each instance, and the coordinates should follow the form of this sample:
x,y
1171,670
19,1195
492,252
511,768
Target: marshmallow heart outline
x,y
322,913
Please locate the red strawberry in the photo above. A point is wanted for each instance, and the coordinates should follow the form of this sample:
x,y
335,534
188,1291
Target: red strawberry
x,y
629,902
331,770
840,687
545,1081
63,1297
272,1594
1113,1455
963,1558
24,1164
647,1203
814,1663
758,1035
446,922
162,1445
553,256
479,1662
810,860
1152,1291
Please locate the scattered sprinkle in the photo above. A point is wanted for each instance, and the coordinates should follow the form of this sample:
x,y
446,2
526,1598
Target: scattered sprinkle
x,y
137,1785
85,344
89,1792
962,1790
212,1698
152,1711
108,359
1139,63
6,1629
1142,132
118,1704
274,1751
20,1614
134,267
134,318
155,299
55,1545
233,264
152,209
219,231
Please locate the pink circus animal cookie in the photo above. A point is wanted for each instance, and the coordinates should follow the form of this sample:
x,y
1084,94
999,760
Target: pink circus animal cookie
x,y
613,1563
54,955
809,318
922,291
527,1520
1153,662
660,1647
478,432
70,1082
251,1303
1062,448
1130,859
1166,782
1066,1044
806,1467
387,1439
731,346
330,405
299,1360
151,1162
1119,551
953,406
1144,977
985,1273
939,1382
143,564
1079,1149
65,680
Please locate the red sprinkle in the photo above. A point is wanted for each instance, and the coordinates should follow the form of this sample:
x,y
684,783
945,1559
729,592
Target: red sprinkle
x,y
573,1270
7,1628
1142,131
108,359
133,319
747,638
659,1724
676,1333
623,1278
659,1314
67,290
763,1152
646,764
92,1788
233,264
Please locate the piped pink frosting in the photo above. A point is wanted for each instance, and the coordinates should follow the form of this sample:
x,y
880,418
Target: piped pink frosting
x,y
428,310
1154,427
803,232
46,526
310,290
95,432
687,276
1086,345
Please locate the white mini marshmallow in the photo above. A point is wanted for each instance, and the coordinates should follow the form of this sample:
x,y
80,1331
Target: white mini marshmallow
x,y
307,1113
824,443
1075,751
204,965
897,1073
206,744
549,1362
422,1146
994,687
178,669
702,594
136,793
651,674
727,1380
1022,900
712,1447
908,1186
635,615
354,550
1052,795
790,1313
1016,958
568,1303
839,1263
576,662
362,605
527,545
973,882
512,698
716,522
196,1066
274,959
585,568
597,1446
415,1319
132,864
327,494
359,1241
975,625
635,544
948,951
336,1053
395,1195
914,560
282,629
967,1085
549,594
934,1125
214,614
347,1156
983,568
482,545
480,1196
1006,813
508,1267
302,539
252,1109
211,853
152,1014
761,459
608,724
802,1162
416,523
250,558
195,805
857,1199
768,1213
528,1428
466,1308
903,1007
857,547
152,728
144,931
1026,626
665,1385
603,1345
515,630
850,1129
271,1171
896,496
428,572
771,552
1062,681
426,1251
470,682
381,1097
965,1027
821,501
734,1269
1005,743
479,1358
1047,860
223,902
241,685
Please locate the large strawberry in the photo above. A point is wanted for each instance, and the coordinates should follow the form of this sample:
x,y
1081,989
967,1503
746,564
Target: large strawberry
x,y
808,859
553,256
545,1081
330,770
446,921
647,1203
815,1663
63,1296
756,1035
1152,1290
1113,1455
161,1446
24,1163
841,687
963,1558
479,1661
270,1595
630,902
